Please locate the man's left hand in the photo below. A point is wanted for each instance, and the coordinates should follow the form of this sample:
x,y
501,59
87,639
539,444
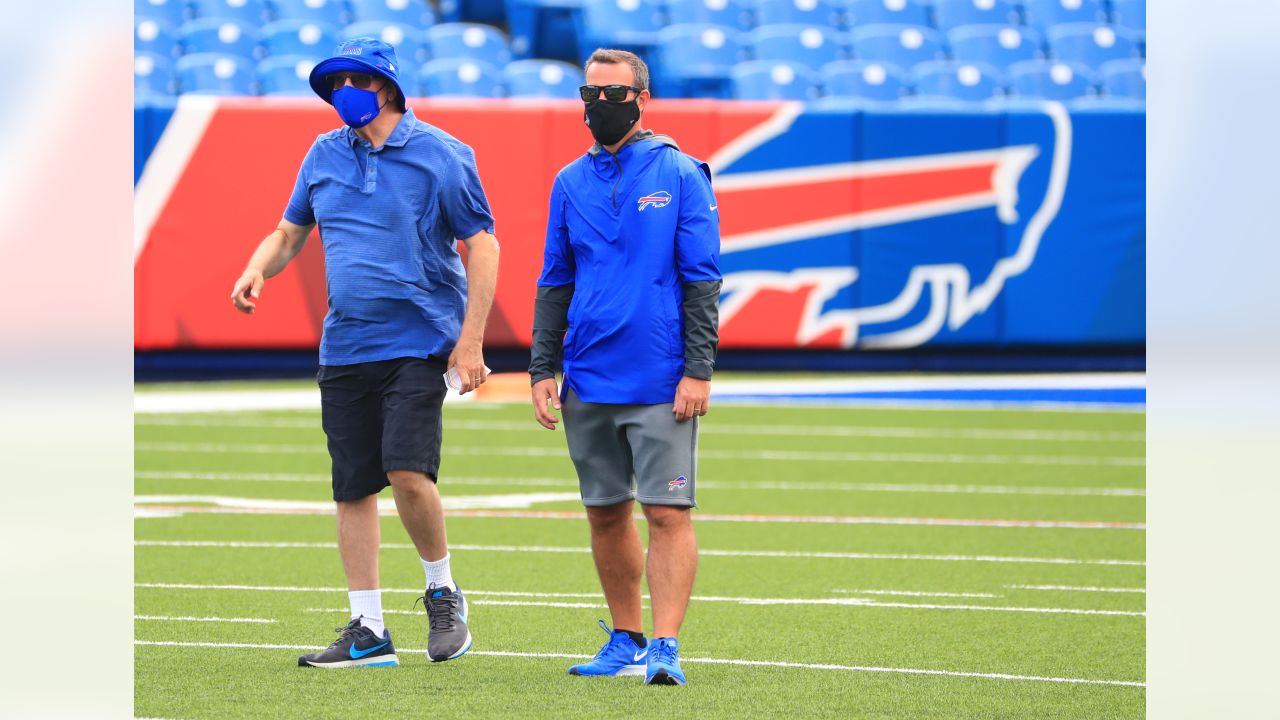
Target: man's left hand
x,y
693,398
468,356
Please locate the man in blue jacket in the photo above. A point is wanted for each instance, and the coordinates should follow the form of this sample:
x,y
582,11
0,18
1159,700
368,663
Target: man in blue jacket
x,y
626,305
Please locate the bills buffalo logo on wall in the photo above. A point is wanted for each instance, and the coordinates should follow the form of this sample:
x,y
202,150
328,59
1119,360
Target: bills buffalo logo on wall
x,y
657,200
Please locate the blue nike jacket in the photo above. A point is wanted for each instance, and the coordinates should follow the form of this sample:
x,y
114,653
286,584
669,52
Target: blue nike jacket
x,y
629,231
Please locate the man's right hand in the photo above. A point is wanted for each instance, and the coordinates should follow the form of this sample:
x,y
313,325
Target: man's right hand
x,y
545,390
246,290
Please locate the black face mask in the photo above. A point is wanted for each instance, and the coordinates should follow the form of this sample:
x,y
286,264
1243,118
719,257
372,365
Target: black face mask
x,y
609,121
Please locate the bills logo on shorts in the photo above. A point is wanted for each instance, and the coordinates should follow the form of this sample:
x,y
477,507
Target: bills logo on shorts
x,y
658,199
677,483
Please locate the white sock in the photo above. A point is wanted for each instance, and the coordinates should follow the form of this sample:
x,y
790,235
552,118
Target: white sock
x,y
438,574
367,605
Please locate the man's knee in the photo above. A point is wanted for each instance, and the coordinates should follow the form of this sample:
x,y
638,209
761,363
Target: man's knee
x,y
609,517
408,480
666,517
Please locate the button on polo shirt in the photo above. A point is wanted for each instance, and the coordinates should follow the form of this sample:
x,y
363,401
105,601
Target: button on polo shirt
x,y
389,219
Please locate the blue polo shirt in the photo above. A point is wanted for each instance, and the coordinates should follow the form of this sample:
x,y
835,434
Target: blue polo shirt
x,y
629,231
390,219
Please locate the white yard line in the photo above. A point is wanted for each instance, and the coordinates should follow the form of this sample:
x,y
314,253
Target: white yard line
x,y
715,661
914,593
201,619
1077,588
707,428
777,455
702,552
784,485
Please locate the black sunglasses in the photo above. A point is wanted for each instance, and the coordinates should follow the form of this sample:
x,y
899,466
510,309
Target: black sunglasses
x,y
612,93
358,80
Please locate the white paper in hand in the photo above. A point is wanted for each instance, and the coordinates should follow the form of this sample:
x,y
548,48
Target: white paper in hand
x,y
454,382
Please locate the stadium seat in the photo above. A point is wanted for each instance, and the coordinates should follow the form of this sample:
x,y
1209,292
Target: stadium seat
x,y
1124,78
492,12
998,45
157,37
542,79
153,75
729,13
624,24
807,12
230,37
329,12
697,59
286,75
863,80
812,45
460,77
469,41
949,14
901,45
174,12
413,13
879,12
764,80
545,29
1090,44
971,82
1130,14
299,37
1050,80
215,74
410,43
252,12
1040,14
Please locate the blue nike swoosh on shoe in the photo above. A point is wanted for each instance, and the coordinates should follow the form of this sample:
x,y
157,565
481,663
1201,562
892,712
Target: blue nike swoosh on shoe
x,y
357,654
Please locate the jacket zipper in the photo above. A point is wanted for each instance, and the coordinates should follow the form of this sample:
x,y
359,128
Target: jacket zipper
x,y
614,194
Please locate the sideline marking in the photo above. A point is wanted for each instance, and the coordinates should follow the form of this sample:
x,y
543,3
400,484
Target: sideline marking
x,y
1077,588
845,602
714,661
201,619
709,553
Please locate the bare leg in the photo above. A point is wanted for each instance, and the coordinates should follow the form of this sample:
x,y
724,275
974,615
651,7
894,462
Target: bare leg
x,y
615,545
421,512
673,562
358,538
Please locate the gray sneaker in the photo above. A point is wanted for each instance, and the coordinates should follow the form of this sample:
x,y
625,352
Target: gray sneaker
x,y
447,611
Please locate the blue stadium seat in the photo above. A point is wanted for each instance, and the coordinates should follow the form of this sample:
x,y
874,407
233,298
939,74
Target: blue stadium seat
x,y
543,79
157,37
410,42
901,45
1040,14
879,12
807,12
950,14
492,12
697,59
470,41
863,80
413,13
1050,80
624,24
460,77
329,12
287,75
174,12
1124,78
765,80
1090,44
998,45
971,82
546,29
153,75
812,45
299,37
215,74
730,13
1130,14
253,12
230,37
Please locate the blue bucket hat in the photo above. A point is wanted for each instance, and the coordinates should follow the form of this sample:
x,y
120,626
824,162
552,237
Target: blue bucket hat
x,y
360,54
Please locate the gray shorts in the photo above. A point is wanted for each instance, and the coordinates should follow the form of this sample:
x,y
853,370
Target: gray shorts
x,y
631,452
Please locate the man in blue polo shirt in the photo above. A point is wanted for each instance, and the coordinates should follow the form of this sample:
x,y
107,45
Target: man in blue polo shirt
x,y
627,303
392,195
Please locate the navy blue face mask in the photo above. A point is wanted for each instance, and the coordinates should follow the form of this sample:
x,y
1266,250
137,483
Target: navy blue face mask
x,y
356,107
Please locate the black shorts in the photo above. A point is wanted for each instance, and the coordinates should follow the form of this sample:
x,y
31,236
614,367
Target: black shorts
x,y
381,416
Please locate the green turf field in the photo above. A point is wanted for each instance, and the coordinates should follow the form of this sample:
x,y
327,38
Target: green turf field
x,y
924,607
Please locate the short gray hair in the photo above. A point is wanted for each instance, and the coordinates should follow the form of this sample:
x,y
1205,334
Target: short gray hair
x,y
639,71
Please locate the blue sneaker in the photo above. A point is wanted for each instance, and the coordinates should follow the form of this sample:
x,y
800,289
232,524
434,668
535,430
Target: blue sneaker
x,y
664,663
619,657
357,646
